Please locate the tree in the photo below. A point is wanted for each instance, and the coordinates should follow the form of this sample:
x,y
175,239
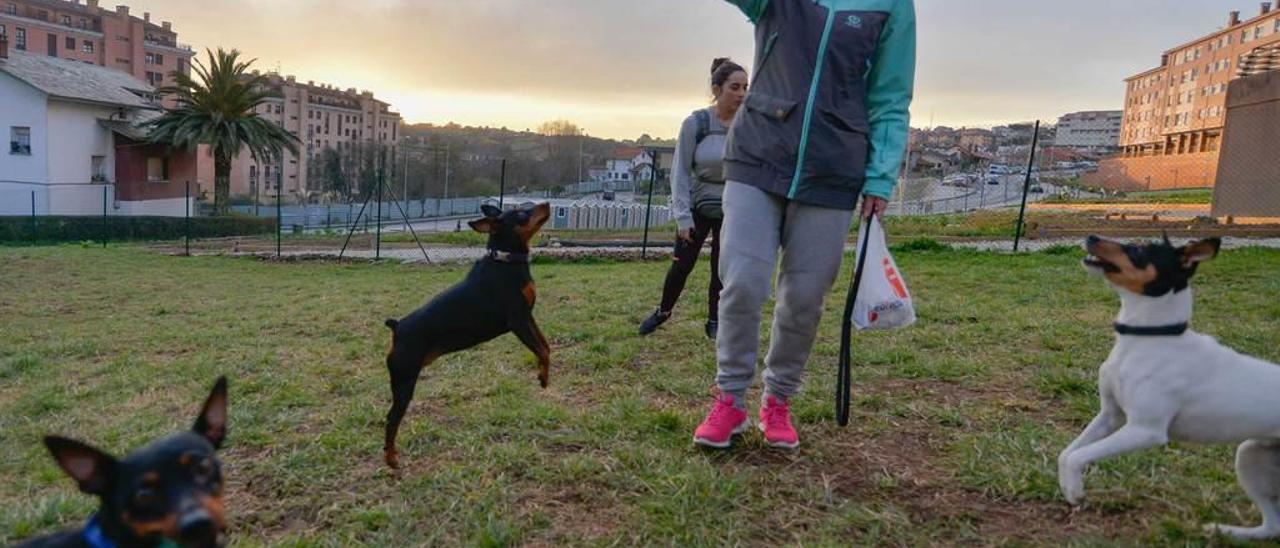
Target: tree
x,y
217,108
560,128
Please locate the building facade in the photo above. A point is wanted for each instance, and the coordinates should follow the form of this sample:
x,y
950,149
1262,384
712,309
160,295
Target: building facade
x,y
1175,114
1092,131
322,117
88,33
75,146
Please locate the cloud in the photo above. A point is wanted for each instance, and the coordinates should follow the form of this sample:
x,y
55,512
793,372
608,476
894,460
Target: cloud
x,y
627,67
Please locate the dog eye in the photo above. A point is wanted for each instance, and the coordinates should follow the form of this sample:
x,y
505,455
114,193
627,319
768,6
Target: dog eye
x,y
202,469
145,496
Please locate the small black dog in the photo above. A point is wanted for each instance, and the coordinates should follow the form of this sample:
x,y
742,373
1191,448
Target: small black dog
x,y
166,493
496,298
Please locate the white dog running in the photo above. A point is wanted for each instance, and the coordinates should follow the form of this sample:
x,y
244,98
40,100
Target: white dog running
x,y
1164,382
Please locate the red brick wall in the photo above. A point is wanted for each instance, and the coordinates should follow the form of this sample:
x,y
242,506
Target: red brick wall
x,y
131,172
1156,172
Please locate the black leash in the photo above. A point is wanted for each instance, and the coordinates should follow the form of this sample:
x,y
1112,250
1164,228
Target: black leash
x,y
844,374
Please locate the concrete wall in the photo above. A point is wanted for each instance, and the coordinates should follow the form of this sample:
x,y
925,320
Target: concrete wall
x,y
1249,173
79,137
22,106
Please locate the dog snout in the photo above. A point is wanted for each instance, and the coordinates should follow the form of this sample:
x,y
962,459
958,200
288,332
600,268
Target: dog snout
x,y
197,528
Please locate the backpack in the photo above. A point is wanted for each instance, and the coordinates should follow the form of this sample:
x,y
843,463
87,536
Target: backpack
x,y
710,209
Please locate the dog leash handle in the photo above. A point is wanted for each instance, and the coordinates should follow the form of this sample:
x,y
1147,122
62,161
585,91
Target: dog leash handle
x,y
844,374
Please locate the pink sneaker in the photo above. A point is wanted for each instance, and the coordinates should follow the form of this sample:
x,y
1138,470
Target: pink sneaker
x,y
775,421
721,424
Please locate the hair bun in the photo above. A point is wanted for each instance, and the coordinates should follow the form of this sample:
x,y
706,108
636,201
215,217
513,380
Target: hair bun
x,y
716,64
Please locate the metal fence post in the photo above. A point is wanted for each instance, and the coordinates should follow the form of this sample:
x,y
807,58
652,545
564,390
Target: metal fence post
x,y
648,212
1026,188
279,206
377,253
34,227
104,217
187,229
502,185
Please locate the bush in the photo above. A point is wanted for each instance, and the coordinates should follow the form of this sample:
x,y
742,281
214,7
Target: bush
x,y
76,229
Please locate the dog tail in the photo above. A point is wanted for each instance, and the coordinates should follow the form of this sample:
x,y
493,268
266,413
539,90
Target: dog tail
x,y
393,324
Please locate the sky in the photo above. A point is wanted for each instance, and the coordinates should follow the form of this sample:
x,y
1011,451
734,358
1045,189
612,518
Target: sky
x,y
622,68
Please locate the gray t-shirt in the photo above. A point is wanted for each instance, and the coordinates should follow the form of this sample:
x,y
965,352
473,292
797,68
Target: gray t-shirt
x,y
698,174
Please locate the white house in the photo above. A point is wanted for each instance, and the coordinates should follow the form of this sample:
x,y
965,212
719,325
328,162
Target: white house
x,y
72,132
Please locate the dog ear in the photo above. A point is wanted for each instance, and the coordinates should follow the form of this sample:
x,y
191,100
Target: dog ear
x,y
490,211
483,226
212,422
393,324
1200,251
92,469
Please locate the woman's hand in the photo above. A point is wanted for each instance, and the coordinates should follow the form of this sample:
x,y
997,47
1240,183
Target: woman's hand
x,y
873,206
685,234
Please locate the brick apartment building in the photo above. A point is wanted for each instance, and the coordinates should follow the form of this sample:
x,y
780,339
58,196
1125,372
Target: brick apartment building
x,y
84,31
1174,114
322,117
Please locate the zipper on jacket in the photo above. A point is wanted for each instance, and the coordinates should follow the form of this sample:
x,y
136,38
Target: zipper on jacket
x,y
813,97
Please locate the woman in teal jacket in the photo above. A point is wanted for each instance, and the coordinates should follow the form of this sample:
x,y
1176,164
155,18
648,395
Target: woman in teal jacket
x,y
825,123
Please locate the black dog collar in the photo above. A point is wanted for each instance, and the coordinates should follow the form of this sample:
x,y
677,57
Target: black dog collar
x,y
508,257
1157,331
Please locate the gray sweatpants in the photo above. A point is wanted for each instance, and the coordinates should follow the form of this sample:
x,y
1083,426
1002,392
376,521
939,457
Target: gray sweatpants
x,y
811,239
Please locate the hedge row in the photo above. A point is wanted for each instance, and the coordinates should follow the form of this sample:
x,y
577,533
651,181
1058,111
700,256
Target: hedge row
x,y
76,229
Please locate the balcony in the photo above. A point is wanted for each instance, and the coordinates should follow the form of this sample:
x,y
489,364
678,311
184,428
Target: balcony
x,y
169,44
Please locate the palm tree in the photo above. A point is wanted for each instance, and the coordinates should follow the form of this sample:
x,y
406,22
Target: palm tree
x,y
218,109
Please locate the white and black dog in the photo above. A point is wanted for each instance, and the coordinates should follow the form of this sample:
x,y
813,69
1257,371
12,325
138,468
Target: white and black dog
x,y
1164,382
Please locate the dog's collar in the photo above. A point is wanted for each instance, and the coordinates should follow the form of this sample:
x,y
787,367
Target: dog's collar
x,y
93,535
1156,331
507,256
95,538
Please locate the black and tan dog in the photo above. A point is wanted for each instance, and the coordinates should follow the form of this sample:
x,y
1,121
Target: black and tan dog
x,y
165,494
496,298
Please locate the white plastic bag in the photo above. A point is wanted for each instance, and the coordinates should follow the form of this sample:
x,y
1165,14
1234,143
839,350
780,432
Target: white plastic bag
x,y
883,301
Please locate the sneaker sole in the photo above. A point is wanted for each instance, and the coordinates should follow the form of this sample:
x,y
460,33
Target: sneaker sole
x,y
778,444
746,425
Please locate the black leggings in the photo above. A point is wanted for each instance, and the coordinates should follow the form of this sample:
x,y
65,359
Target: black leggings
x,y
686,257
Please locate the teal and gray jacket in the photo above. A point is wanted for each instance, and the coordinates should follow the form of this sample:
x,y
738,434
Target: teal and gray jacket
x,y
828,113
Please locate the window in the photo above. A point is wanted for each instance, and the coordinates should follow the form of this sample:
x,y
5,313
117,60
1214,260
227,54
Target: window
x,y
151,59
3,32
97,168
84,23
159,59
53,45
65,20
42,15
20,141
1277,29
157,170
1257,32
71,44
11,9
21,38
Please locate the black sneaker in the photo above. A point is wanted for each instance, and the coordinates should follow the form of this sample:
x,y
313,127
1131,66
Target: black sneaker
x,y
653,322
712,327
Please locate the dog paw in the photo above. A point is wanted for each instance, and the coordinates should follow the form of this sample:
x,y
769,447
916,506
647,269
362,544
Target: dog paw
x,y
1073,491
543,380
393,459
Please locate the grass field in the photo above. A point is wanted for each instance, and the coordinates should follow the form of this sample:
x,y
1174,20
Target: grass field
x,y
956,422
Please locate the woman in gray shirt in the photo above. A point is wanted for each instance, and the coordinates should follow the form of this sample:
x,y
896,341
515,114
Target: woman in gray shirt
x,y
697,182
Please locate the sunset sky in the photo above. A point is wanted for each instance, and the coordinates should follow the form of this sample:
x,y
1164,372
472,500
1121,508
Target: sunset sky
x,y
621,68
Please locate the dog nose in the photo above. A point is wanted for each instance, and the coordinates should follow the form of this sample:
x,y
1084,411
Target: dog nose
x,y
197,528
1093,239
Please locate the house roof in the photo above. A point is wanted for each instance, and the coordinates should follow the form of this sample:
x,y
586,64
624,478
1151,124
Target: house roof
x,y
77,81
626,153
